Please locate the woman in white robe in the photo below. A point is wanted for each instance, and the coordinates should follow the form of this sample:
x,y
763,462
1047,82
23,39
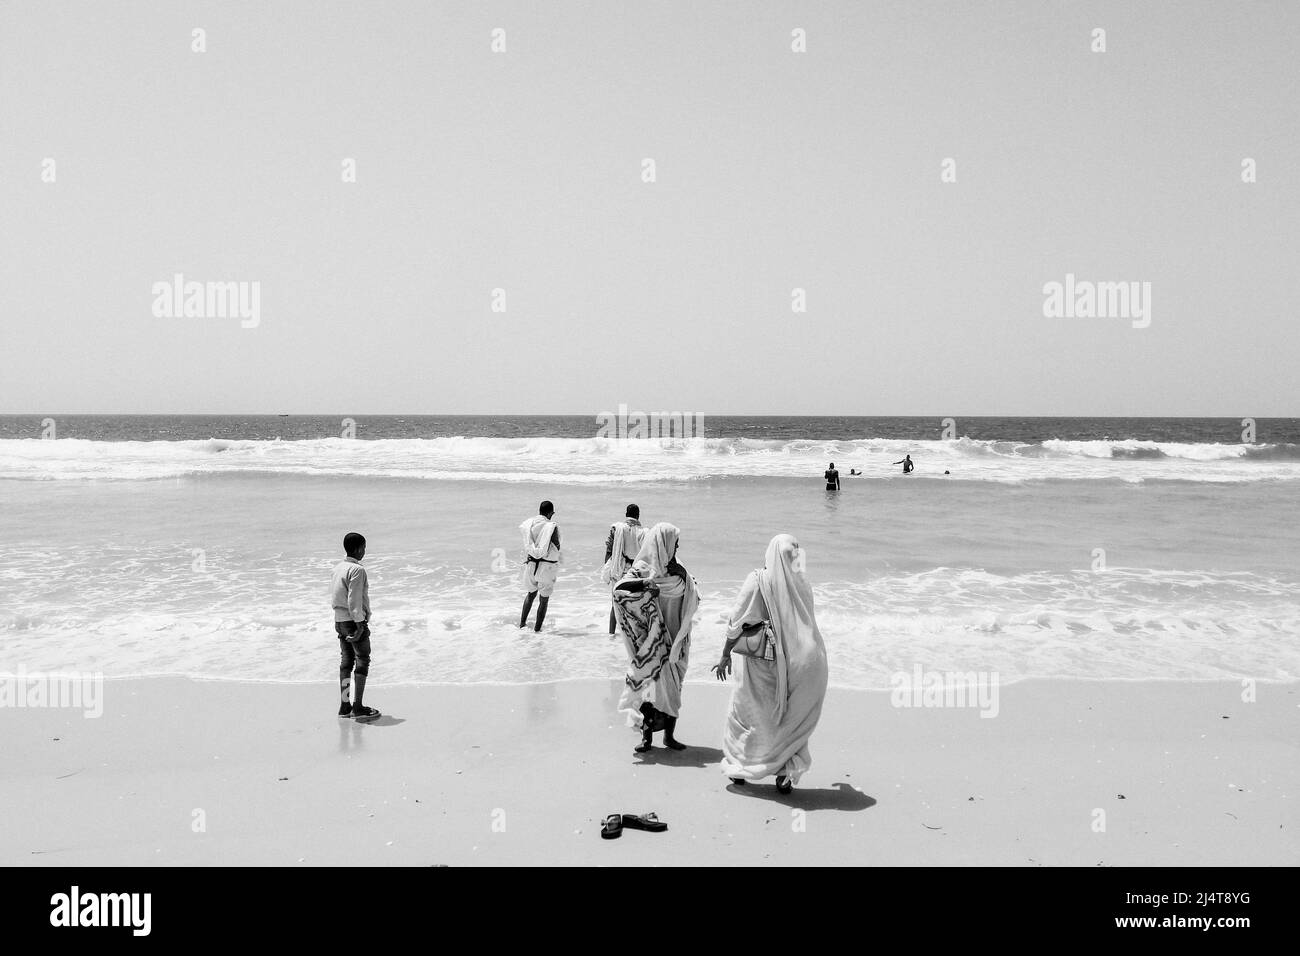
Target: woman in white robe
x,y
655,601
776,704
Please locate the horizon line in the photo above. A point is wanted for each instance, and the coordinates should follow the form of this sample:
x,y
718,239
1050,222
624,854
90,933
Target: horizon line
x,y
354,414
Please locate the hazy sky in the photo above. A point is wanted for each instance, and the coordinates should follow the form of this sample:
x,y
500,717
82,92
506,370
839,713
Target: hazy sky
x,y
775,170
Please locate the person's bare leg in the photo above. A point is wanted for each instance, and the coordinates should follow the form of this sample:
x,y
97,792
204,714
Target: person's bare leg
x,y
528,606
541,612
612,621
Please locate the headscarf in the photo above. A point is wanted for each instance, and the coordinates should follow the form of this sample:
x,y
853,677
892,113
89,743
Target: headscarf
x,y
657,550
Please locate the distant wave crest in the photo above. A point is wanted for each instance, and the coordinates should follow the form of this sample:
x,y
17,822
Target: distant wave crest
x,y
597,459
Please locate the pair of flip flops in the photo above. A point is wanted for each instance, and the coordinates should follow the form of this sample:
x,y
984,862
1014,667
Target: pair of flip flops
x,y
613,825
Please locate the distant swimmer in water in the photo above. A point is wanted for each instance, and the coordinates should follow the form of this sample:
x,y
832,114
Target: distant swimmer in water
x,y
854,471
907,464
832,478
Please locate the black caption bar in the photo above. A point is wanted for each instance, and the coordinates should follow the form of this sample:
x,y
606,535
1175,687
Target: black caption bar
x,y
135,906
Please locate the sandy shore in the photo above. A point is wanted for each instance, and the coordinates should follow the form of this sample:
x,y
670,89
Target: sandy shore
x,y
496,775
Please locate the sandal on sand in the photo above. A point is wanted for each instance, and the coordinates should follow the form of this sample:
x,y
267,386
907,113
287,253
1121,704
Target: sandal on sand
x,y
612,827
647,821
738,781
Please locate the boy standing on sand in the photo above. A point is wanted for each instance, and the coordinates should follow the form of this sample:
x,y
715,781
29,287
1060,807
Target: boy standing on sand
x,y
350,594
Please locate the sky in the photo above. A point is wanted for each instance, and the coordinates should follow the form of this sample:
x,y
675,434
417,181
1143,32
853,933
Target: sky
x,y
775,170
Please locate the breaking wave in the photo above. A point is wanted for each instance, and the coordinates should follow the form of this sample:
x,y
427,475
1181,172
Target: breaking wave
x,y
595,460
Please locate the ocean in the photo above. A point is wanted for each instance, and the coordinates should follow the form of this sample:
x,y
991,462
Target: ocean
x,y
1026,547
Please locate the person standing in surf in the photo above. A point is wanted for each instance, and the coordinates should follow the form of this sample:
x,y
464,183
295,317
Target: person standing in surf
x,y
350,597
907,464
832,478
541,561
621,546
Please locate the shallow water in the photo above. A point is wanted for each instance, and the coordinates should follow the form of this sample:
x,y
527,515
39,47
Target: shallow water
x,y
224,573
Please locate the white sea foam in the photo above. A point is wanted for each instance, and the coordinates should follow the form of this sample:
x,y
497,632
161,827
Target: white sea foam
x,y
600,460
266,621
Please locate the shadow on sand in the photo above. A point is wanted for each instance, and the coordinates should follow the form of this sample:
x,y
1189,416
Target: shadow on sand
x,y
384,720
697,757
839,796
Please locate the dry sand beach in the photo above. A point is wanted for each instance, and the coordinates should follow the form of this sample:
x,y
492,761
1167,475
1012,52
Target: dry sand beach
x,y
1185,772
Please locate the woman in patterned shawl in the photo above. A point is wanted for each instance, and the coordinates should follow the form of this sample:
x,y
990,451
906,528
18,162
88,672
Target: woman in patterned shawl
x,y
655,602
